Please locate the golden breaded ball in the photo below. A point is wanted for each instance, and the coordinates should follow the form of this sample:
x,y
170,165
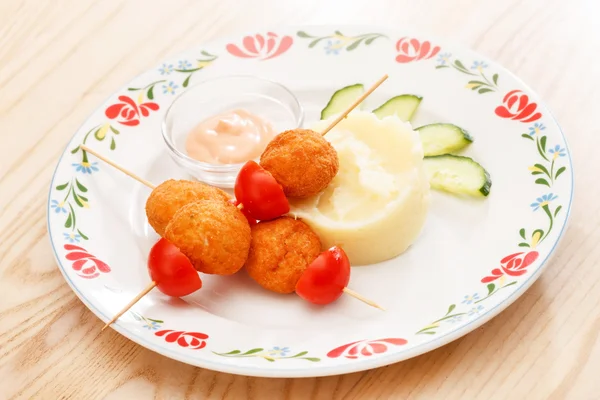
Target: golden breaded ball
x,y
302,161
213,234
168,197
280,251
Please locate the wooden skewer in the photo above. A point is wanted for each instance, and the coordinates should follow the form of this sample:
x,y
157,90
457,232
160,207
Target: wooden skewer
x,y
117,166
137,298
356,103
357,296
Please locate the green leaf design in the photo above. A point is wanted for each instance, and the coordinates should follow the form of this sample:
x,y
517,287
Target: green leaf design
x,y
441,66
543,143
509,284
491,288
354,45
370,40
269,359
557,211
522,233
452,307
207,54
187,80
302,353
113,144
83,198
75,150
158,321
459,64
560,171
82,235
313,359
116,132
80,186
303,34
526,136
230,353
76,198
536,172
63,186
495,79
523,244
484,90
150,93
542,181
540,231
427,333
338,33
314,43
478,83
544,169
69,221
132,89
253,351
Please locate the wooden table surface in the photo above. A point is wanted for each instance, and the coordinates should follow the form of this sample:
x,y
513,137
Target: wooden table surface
x,y
59,60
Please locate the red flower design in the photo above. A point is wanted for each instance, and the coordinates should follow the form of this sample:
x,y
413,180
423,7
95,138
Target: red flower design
x,y
517,106
86,265
412,50
364,348
193,340
129,112
512,265
258,46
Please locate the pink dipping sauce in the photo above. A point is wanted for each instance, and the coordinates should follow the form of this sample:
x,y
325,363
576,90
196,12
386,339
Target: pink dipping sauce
x,y
232,137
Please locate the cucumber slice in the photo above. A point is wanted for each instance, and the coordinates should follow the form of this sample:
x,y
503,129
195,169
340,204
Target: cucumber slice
x,y
440,139
342,99
404,106
457,174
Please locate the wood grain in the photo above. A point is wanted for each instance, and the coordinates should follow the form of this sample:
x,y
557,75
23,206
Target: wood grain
x,y
60,59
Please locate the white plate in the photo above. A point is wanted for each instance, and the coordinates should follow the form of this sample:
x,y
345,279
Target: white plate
x,y
458,275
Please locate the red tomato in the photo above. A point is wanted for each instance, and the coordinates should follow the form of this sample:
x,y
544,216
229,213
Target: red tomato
x,y
244,211
261,195
325,278
172,270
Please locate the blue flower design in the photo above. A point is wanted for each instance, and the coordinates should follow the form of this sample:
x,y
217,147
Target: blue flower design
x,y
279,351
85,167
58,207
557,151
543,201
72,237
166,69
333,47
479,65
455,319
152,326
444,58
184,64
470,299
535,129
475,310
170,88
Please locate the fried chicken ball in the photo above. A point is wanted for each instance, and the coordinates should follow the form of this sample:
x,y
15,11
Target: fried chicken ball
x,y
280,251
171,195
302,161
213,234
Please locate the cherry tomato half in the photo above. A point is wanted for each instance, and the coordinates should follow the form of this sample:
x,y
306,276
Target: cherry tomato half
x,y
259,192
325,278
244,210
172,270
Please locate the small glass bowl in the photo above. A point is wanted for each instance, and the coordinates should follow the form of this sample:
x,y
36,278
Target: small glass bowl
x,y
267,99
